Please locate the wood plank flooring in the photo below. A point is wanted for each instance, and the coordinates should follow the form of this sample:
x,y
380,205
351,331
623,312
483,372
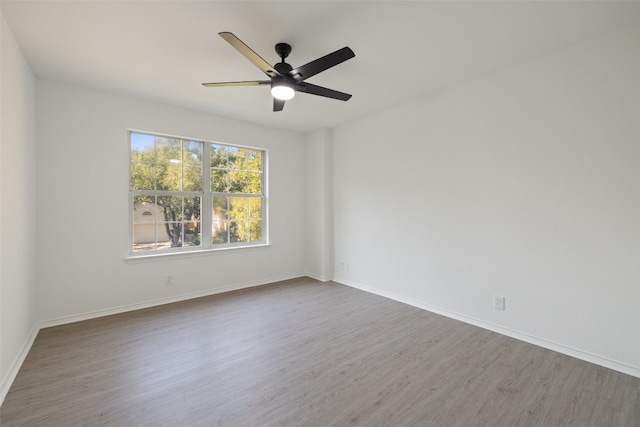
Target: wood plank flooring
x,y
305,353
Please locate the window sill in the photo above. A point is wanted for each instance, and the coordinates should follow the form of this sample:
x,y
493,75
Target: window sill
x,y
147,257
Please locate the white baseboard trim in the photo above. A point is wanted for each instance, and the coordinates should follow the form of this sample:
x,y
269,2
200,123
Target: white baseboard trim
x,y
541,342
318,278
160,301
8,379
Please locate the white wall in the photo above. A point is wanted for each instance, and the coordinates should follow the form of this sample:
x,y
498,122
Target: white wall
x,y
17,208
319,218
524,183
83,206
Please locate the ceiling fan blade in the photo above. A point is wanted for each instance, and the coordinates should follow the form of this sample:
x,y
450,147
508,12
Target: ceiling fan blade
x,y
322,91
314,67
278,104
249,54
245,83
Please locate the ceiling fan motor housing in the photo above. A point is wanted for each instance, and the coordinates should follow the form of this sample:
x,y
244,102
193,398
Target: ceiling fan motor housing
x,y
283,67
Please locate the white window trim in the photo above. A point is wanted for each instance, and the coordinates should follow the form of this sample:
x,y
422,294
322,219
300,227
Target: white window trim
x,y
207,247
150,257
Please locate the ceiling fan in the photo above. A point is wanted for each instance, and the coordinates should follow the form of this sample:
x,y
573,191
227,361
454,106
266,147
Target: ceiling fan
x,y
285,80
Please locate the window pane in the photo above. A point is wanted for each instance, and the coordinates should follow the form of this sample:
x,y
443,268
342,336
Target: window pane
x,y
174,235
192,233
219,181
236,157
254,160
237,181
255,230
254,183
255,208
220,226
145,226
144,237
169,177
192,179
142,176
238,231
144,209
238,207
142,148
171,208
192,153
168,150
218,156
220,209
192,206
220,232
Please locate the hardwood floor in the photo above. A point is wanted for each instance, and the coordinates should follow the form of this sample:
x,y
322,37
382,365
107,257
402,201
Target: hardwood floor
x,y
305,353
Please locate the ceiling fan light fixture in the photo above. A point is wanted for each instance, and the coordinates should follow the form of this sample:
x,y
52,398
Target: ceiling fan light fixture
x,y
282,90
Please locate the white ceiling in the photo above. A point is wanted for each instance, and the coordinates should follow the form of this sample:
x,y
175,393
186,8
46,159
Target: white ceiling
x,y
163,51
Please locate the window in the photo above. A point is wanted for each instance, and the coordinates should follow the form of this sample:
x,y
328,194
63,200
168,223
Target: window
x,y
188,195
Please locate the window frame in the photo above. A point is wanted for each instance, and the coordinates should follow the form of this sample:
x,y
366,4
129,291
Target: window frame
x,y
206,202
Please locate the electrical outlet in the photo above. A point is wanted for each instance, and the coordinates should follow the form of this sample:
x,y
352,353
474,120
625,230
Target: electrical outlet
x,y
498,302
168,280
344,266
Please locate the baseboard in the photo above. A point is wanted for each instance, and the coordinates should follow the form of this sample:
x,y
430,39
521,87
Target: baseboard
x,y
160,301
8,379
317,277
541,342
